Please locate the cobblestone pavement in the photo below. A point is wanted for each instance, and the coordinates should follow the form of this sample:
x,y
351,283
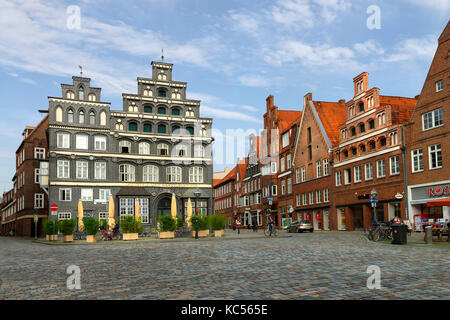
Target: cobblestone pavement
x,y
321,265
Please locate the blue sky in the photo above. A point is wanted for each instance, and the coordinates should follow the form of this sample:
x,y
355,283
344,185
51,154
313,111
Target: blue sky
x,y
233,54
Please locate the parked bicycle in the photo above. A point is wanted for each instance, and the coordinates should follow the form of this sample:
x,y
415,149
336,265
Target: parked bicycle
x,y
379,231
114,234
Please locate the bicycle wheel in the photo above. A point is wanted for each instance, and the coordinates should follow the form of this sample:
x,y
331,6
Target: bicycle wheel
x,y
377,235
267,232
275,232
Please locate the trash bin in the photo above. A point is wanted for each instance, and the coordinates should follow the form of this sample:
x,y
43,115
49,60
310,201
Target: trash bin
x,y
399,233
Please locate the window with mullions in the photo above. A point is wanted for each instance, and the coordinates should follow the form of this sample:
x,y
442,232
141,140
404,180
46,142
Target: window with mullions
x,y
148,109
435,154
162,128
175,112
163,149
161,110
150,173
126,207
147,127
132,126
126,173
433,119
173,174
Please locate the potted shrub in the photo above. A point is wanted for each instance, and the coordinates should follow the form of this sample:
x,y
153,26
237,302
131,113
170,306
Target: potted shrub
x,y
167,226
67,227
48,228
203,226
130,228
218,224
91,226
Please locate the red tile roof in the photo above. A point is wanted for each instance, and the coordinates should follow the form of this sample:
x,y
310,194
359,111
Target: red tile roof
x,y
402,108
332,115
287,118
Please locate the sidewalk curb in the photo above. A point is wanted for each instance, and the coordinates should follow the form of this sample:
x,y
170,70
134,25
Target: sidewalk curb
x,y
121,242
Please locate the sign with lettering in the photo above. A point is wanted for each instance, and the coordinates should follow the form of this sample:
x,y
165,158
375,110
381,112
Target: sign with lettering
x,y
438,191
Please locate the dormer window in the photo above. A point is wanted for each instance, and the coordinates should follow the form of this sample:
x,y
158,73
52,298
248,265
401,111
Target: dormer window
x,y
162,76
92,97
148,92
81,93
190,113
361,106
176,95
70,95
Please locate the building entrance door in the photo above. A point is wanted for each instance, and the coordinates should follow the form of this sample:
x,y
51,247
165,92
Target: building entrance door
x,y
163,207
358,221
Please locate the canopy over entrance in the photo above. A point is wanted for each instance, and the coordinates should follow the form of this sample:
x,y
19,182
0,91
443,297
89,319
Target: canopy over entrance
x,y
439,203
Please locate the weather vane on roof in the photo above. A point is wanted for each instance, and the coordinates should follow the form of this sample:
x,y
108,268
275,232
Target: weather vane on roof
x,y
162,54
81,70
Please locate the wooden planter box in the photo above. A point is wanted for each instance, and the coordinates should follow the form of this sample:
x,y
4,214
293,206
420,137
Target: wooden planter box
x,y
48,237
68,238
130,236
54,237
218,233
91,238
167,235
201,233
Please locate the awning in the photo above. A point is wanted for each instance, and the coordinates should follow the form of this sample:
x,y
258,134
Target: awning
x,y
445,202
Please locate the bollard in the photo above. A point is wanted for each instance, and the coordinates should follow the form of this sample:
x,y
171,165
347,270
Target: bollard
x,y
428,235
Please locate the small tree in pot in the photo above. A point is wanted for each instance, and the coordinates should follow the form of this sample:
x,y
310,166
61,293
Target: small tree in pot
x,y
167,226
48,228
203,225
67,228
218,224
130,227
91,226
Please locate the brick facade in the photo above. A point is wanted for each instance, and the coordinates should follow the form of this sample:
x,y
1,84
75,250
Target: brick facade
x,y
424,174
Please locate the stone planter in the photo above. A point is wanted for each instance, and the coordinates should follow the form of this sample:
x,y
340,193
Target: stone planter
x,y
167,235
68,238
90,238
218,233
130,236
201,233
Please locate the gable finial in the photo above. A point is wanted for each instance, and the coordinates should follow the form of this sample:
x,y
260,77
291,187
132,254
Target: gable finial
x,y
81,70
162,54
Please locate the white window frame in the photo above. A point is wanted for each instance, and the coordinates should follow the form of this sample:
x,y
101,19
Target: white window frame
x,y
319,169
63,164
433,116
326,195
144,148
347,176
368,171
63,140
38,201
65,194
100,170
338,178
417,156
127,173
87,194
303,174
82,169
174,174
36,175
395,160
64,215
379,173
326,167
39,153
150,173
104,194
438,153
196,175
100,143
357,174
439,85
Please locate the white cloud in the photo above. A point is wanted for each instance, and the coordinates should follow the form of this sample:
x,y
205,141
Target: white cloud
x,y
313,55
369,47
254,81
39,41
306,13
227,114
245,22
442,6
413,49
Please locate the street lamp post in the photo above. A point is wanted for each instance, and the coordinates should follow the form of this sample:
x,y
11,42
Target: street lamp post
x,y
197,195
373,195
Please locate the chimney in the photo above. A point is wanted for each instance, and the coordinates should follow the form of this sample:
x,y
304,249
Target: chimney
x,y
342,102
307,98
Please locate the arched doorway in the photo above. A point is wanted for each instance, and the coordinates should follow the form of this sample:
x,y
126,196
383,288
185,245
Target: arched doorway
x,y
164,206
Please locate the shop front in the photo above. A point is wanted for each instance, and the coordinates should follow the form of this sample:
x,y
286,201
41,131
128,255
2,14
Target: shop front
x,y
429,204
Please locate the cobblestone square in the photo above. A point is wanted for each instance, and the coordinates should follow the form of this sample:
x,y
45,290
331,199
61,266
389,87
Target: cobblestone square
x,y
320,265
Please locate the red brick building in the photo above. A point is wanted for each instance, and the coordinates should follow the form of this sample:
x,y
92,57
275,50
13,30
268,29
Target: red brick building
x,y
369,156
7,212
30,198
428,149
227,192
276,122
318,134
